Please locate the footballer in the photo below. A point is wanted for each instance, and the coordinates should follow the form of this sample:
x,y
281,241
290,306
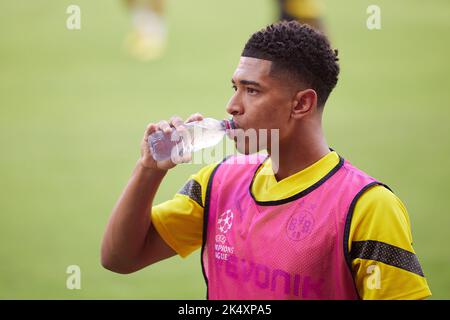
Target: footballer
x,y
316,228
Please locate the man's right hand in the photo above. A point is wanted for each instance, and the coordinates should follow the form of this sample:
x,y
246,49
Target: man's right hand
x,y
176,123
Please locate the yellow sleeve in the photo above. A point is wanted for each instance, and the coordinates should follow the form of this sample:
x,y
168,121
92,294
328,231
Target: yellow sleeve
x,y
179,221
384,263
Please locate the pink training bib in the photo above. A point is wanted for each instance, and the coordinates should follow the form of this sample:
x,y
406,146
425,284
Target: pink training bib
x,y
295,248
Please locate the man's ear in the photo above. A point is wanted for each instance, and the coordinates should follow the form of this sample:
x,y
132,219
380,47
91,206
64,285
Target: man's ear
x,y
303,103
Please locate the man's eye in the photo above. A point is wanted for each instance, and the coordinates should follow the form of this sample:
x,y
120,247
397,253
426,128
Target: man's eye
x,y
252,91
234,88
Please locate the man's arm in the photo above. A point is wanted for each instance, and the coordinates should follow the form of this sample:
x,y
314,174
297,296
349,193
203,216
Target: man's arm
x,y
130,242
384,262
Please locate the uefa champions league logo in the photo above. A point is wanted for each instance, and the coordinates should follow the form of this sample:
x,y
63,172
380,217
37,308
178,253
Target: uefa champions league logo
x,y
222,249
225,221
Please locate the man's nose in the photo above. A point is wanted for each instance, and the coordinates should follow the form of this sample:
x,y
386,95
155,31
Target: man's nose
x,y
234,107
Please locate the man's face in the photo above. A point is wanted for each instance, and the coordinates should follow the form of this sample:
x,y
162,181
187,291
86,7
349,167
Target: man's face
x,y
260,100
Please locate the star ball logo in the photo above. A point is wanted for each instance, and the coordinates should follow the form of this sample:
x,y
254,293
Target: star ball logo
x,y
225,221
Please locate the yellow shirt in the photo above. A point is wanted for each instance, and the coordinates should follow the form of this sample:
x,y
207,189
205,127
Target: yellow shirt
x,y
380,224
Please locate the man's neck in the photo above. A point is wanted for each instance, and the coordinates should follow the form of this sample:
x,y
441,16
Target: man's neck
x,y
298,155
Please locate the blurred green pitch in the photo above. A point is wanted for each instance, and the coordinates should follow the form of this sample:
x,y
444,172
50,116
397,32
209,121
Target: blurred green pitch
x,y
73,108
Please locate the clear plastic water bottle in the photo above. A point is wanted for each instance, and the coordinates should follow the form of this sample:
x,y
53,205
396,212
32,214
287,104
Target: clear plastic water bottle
x,y
200,134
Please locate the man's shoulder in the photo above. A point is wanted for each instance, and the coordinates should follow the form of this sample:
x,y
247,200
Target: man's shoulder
x,y
382,205
376,201
380,194
351,167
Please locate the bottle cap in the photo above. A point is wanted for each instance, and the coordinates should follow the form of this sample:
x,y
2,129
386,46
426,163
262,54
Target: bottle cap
x,y
229,124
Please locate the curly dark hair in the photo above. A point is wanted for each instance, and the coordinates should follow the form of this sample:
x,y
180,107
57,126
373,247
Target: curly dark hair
x,y
299,50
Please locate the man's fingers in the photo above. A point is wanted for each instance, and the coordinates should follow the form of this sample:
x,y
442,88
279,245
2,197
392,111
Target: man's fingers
x,y
194,117
176,121
176,155
164,126
187,157
181,158
151,127
181,134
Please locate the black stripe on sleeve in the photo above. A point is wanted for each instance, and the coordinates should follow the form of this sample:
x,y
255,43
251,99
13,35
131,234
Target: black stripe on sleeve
x,y
193,190
386,253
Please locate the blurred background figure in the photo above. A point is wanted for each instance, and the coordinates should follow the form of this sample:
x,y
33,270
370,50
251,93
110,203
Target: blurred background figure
x,y
304,11
147,39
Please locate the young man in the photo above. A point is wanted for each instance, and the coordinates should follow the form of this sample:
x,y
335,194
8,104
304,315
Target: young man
x,y
315,228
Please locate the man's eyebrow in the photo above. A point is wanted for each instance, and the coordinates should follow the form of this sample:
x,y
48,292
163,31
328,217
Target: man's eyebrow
x,y
247,82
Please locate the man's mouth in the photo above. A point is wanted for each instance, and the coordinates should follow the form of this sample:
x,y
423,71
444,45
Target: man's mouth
x,y
231,133
233,124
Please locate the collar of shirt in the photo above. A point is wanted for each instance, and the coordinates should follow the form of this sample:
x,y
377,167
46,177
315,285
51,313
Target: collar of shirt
x,y
267,188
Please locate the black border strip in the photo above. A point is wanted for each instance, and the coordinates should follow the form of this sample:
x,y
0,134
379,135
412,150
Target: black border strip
x,y
348,221
188,190
205,220
387,254
300,194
